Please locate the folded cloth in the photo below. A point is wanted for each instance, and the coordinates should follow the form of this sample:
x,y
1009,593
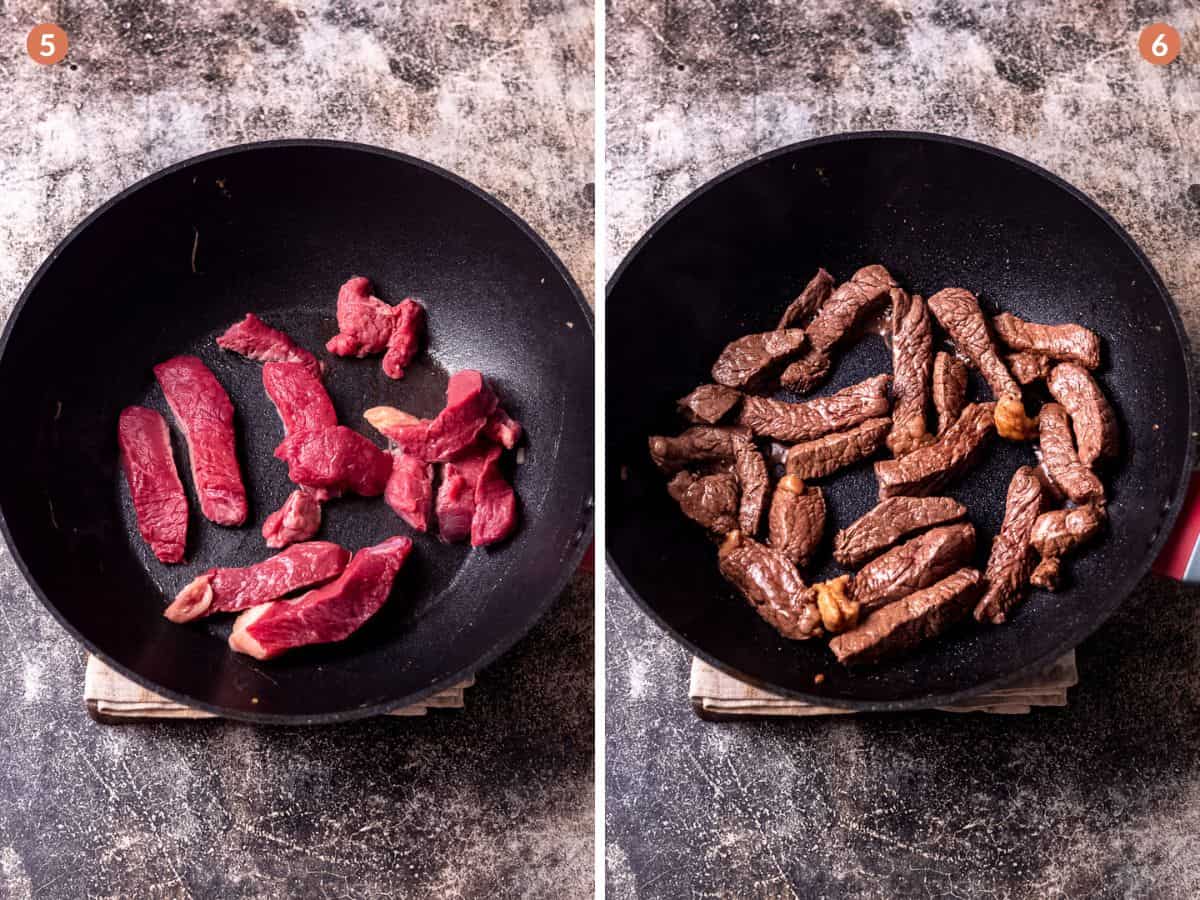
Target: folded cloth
x,y
111,697
717,695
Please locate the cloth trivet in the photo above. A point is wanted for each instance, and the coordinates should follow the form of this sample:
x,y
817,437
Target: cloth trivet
x,y
717,695
110,696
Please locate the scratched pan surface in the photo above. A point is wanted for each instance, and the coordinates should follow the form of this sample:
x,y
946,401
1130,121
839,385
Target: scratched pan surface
x,y
936,212
275,229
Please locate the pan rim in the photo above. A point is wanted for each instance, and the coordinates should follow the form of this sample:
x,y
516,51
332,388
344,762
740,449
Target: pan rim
x,y
569,563
1072,639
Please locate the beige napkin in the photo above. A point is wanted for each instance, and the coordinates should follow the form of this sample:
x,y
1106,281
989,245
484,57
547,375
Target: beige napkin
x,y
715,693
110,696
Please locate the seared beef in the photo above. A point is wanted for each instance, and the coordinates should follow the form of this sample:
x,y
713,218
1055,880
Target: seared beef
x,y
825,455
365,323
901,626
792,422
710,500
1057,533
1028,367
255,339
409,490
297,520
1060,462
1012,422
702,443
888,522
1011,560
335,460
815,293
949,389
299,397
958,312
1066,343
912,362
915,564
927,469
797,519
709,403
765,577
838,316
1092,419
158,499
751,471
405,340
750,361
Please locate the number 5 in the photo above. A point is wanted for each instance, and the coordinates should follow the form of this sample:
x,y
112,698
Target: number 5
x,y
1158,48
48,48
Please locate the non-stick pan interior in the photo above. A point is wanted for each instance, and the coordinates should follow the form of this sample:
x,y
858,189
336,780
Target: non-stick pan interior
x,y
936,213
276,229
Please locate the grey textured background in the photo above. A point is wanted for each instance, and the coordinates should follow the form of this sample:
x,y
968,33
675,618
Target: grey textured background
x,y
493,800
1099,800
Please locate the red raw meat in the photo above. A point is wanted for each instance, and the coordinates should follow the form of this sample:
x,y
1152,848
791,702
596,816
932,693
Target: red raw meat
x,y
469,405
455,505
230,590
405,338
503,429
297,520
474,499
255,339
329,613
335,459
205,414
365,323
495,504
158,497
300,399
409,490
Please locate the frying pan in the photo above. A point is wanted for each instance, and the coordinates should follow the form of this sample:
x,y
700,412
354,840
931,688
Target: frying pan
x,y
936,211
275,228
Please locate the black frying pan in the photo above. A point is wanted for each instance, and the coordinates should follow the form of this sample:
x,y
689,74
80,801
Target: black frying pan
x,y
935,211
275,228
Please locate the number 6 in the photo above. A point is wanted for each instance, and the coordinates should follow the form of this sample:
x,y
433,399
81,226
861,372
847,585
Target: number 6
x,y
1159,47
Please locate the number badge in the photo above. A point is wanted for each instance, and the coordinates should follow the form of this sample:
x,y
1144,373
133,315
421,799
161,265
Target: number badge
x,y
1159,43
46,44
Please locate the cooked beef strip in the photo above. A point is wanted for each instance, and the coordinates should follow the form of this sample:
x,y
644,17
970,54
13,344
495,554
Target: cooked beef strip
x,y
751,471
793,422
901,626
1092,419
888,522
709,403
825,455
1066,343
957,310
1028,367
815,293
796,521
915,564
1011,560
710,500
765,577
844,309
1060,462
1057,533
912,362
750,360
949,389
702,443
929,468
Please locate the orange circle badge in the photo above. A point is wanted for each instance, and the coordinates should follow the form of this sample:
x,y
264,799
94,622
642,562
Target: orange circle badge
x,y
1158,43
46,44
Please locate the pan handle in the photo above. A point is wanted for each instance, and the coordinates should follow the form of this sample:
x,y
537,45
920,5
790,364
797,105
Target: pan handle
x,y
1180,556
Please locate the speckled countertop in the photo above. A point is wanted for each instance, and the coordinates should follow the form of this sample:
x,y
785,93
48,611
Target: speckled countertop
x,y
493,799
1098,800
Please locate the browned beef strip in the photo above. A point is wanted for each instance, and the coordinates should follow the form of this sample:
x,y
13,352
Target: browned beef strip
x,y
703,443
710,500
915,564
888,522
1066,343
751,361
1092,419
957,310
815,293
899,627
765,577
927,469
709,403
1057,533
796,521
1060,462
793,422
912,362
949,389
1028,367
844,309
1011,560
825,455
751,471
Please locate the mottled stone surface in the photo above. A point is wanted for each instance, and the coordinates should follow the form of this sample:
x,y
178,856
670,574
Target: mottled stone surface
x,y
495,799
1099,800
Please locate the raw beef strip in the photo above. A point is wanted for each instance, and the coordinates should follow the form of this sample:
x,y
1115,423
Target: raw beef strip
x,y
455,506
158,498
329,613
255,339
1060,462
1066,343
957,310
405,339
365,323
502,429
927,469
792,422
772,585
888,522
299,398
709,403
297,520
1092,419
815,293
474,499
751,360
912,365
915,564
495,503
949,389
796,521
1011,560
470,403
825,455
709,500
205,414
336,459
409,490
230,590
